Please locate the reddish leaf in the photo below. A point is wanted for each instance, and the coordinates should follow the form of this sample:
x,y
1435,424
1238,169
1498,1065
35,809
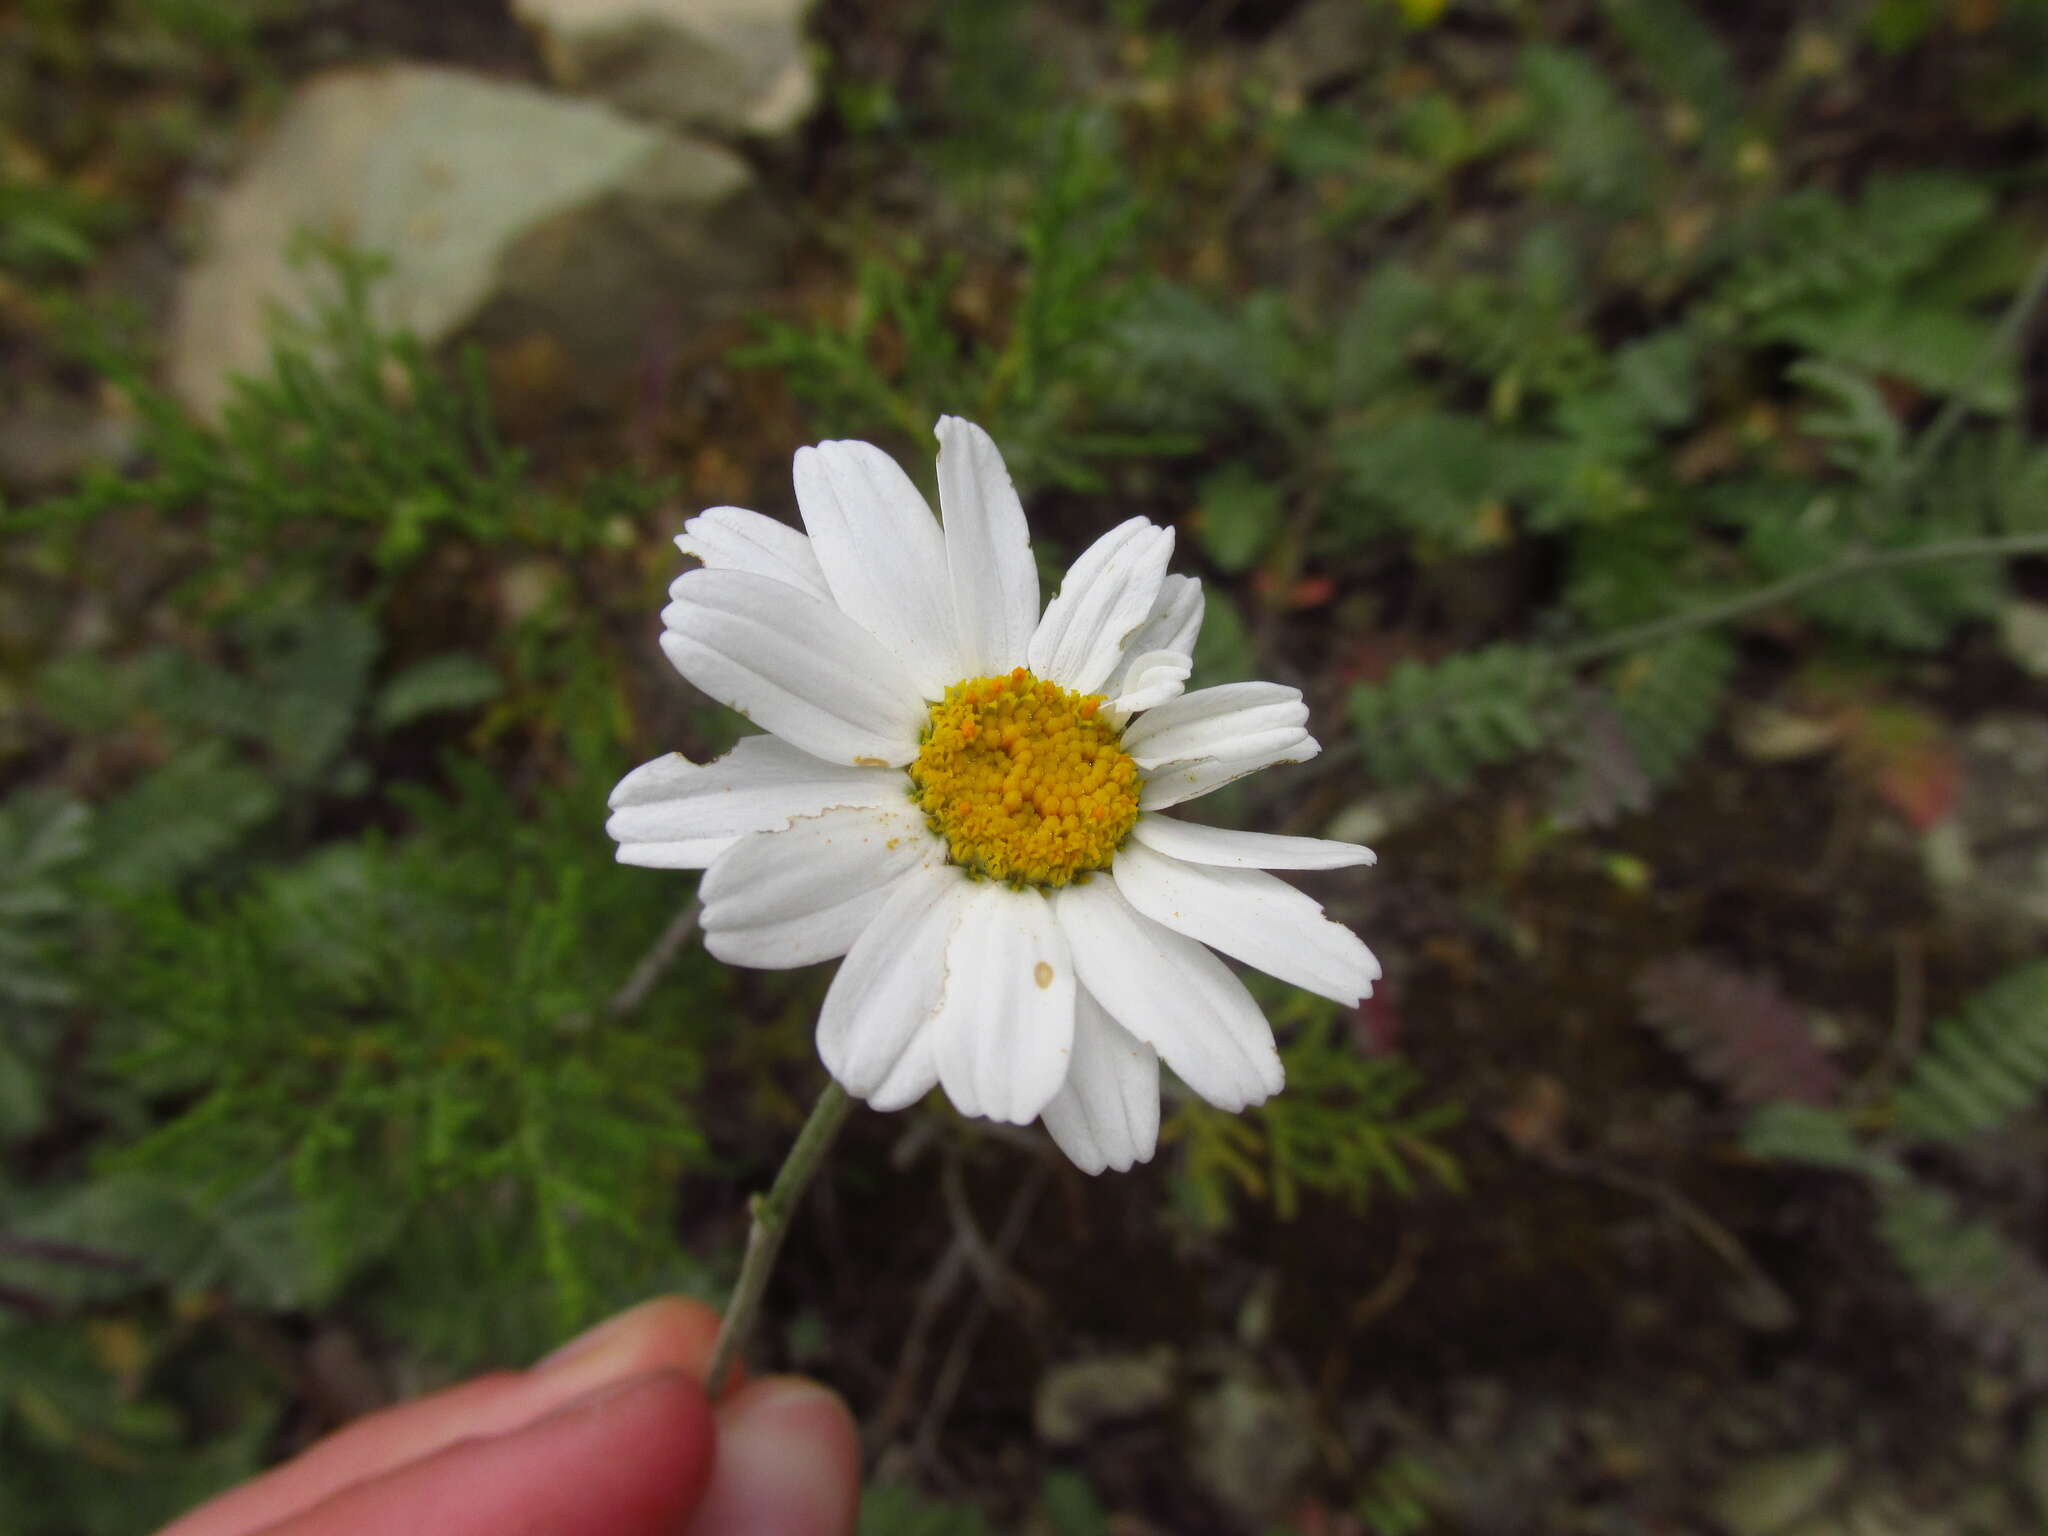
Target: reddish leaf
x,y
1737,1030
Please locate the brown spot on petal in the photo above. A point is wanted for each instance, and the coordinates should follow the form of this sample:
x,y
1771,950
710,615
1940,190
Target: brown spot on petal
x,y
1042,974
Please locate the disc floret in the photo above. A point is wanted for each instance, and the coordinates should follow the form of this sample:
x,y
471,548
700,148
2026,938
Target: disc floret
x,y
1025,780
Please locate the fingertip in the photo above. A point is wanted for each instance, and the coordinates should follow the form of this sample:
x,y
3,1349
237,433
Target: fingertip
x,y
667,1333
788,1463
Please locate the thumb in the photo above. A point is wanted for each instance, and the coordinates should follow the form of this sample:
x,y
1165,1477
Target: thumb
x,y
788,1464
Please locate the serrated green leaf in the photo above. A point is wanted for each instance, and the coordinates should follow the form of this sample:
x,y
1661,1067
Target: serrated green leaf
x,y
1377,332
1443,723
22,1098
1240,513
1983,1065
1805,1133
195,808
434,686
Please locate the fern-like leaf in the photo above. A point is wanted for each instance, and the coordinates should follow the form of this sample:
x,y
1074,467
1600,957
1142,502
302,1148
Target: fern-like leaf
x,y
1668,698
1983,1285
1346,1128
1984,1064
1441,724
1603,779
1737,1030
1787,1132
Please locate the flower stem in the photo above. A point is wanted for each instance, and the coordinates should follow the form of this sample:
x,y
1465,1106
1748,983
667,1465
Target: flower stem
x,y
771,1213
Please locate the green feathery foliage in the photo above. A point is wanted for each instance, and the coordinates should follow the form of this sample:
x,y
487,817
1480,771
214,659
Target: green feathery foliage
x,y
1443,723
1032,374
1791,1132
1980,1068
1345,1128
1668,698
353,429
1401,1496
1875,285
1982,1285
364,1047
42,843
1982,1065
897,1509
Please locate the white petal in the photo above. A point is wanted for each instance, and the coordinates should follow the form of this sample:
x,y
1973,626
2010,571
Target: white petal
x,y
889,986
1106,1114
793,665
1175,620
795,897
1251,916
1177,782
1149,681
734,539
1105,600
915,1074
988,551
1245,850
1235,720
1171,993
1203,740
761,785
1006,1028
684,853
883,556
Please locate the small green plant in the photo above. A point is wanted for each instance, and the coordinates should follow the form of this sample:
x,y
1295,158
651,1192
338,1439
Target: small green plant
x,y
354,430
1980,1070
1032,372
1345,1128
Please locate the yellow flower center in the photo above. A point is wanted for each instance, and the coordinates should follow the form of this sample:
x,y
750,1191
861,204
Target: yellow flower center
x,y
1024,780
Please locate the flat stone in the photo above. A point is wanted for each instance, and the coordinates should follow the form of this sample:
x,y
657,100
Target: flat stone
x,y
1769,1496
1989,861
507,213
730,66
1076,1399
1250,1445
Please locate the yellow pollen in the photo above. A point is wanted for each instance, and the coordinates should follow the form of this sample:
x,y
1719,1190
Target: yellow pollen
x,y
1024,780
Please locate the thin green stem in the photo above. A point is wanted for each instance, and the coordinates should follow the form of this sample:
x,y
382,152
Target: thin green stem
x,y
771,1213
1859,562
2011,327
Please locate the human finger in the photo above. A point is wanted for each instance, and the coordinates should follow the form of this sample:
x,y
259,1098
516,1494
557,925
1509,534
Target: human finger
x,y
668,1333
788,1464
631,1459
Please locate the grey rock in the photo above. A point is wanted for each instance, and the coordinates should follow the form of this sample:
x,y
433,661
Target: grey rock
x,y
2023,627
1989,861
1076,1399
737,66
1771,1495
507,214
1249,1446
47,443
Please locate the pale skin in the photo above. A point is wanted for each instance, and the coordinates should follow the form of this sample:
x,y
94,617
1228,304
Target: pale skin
x,y
612,1435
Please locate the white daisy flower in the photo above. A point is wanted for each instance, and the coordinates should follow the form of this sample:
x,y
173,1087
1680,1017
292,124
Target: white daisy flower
x,y
966,798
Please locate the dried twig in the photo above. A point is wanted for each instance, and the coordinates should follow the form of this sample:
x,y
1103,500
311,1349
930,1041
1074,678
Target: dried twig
x,y
954,1369
655,963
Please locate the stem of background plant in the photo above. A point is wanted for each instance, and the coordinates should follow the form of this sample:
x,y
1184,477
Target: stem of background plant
x,y
1855,563
2011,327
771,1213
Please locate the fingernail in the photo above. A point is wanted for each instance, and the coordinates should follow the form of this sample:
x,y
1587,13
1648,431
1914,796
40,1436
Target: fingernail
x,y
788,1465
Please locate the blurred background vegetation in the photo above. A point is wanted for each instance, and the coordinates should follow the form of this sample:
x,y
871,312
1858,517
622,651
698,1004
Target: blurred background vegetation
x,y
1623,418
